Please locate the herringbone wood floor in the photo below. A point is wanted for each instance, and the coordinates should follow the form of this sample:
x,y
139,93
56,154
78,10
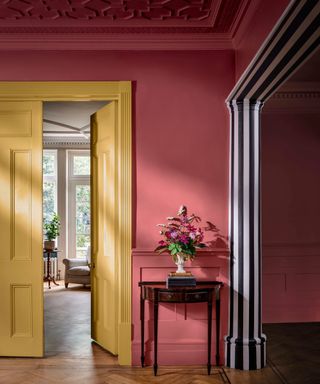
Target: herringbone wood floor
x,y
72,359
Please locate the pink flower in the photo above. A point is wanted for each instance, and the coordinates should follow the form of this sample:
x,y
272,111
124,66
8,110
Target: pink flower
x,y
184,239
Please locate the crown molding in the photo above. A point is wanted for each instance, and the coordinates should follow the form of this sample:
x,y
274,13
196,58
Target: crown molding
x,y
115,41
294,102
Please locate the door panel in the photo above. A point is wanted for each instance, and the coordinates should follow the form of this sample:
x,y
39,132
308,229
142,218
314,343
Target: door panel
x,y
21,287
104,310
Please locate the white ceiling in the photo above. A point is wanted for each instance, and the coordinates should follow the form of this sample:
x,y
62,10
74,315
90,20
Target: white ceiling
x,y
69,119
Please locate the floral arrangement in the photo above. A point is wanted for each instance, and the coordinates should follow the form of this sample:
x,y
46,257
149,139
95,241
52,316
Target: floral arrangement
x,y
182,236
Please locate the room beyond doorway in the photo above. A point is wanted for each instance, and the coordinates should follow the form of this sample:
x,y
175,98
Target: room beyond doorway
x,y
66,193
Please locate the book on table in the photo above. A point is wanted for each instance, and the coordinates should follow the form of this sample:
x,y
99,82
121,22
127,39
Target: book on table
x,y
180,280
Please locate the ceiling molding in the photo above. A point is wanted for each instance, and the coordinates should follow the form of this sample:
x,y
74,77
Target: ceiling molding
x,y
65,141
125,25
296,95
115,42
293,102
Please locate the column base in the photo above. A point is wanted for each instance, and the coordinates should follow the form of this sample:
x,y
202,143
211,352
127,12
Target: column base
x,y
245,354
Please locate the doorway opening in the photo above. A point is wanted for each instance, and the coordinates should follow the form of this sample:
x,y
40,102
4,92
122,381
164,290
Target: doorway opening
x,y
21,104
66,195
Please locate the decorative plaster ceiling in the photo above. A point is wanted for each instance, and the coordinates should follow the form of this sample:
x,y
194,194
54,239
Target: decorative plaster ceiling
x,y
210,20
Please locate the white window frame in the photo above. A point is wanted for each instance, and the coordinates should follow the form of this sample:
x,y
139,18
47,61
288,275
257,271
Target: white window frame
x,y
52,178
72,182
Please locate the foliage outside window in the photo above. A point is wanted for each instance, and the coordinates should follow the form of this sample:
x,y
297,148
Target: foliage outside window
x,y
49,184
79,203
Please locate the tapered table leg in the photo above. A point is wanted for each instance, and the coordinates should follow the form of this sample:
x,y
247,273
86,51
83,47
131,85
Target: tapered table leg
x,y
209,334
142,329
218,326
155,321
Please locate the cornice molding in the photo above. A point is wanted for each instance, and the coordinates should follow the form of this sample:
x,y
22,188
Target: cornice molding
x,y
115,41
64,144
293,102
296,95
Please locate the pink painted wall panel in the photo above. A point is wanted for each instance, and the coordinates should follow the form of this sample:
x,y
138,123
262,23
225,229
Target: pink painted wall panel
x,y
291,211
182,328
255,30
181,133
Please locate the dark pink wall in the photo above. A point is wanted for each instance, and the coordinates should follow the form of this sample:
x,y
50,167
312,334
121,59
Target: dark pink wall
x,y
181,123
181,129
290,213
253,33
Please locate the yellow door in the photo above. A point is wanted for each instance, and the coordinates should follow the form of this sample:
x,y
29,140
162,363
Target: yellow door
x,y
21,319
104,173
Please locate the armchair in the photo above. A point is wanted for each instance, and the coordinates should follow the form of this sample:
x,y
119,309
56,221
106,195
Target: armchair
x,y
76,271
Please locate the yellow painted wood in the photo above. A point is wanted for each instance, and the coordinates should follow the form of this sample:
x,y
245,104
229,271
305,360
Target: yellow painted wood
x,y
104,227
119,91
21,289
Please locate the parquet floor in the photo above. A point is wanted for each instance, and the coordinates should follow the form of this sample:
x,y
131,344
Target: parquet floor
x,y
71,358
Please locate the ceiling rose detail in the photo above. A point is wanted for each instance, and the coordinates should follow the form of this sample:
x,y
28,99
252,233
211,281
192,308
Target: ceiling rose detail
x,y
187,10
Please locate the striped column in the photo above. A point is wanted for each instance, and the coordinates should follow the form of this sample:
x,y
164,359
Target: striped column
x,y
245,344
295,37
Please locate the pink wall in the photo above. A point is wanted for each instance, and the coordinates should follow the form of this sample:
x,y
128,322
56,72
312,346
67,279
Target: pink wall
x,y
181,156
253,31
291,211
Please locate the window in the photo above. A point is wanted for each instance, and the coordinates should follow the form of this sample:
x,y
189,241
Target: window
x,y
49,184
79,203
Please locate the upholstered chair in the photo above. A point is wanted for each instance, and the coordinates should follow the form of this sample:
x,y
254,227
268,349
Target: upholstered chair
x,y
77,270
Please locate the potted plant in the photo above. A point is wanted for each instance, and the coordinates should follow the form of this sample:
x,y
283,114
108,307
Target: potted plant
x,y
182,237
52,230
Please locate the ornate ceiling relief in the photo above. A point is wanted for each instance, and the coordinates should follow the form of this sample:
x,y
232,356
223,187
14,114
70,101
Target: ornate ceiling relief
x,y
106,9
120,24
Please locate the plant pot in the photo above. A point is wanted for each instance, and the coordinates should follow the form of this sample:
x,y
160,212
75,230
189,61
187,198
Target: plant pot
x,y
49,245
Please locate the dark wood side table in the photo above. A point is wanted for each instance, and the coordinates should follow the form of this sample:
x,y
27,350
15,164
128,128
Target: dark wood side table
x,y
49,277
156,292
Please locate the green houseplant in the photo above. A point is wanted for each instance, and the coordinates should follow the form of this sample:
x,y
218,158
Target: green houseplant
x,y
52,231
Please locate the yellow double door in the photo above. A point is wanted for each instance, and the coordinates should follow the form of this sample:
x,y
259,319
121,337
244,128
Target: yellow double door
x,y
21,261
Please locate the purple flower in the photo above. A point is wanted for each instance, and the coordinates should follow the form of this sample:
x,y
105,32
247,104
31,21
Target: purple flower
x,y
192,235
173,234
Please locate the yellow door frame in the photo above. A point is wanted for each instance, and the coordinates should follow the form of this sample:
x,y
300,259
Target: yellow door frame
x,y
120,92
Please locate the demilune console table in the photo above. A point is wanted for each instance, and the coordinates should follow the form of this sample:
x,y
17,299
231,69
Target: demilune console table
x,y
156,292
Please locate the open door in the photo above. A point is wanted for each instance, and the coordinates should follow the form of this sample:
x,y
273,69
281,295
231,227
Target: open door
x,y
103,229
21,286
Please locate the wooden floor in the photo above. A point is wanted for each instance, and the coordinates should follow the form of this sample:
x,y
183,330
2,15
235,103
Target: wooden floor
x,y
71,357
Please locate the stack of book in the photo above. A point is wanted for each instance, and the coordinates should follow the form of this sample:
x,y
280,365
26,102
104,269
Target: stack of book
x,y
175,279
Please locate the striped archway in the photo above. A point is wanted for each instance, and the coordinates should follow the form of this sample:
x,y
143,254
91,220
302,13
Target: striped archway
x,y
295,38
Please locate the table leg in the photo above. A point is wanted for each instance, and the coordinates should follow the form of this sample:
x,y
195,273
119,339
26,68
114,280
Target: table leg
x,y
155,322
142,329
218,326
48,269
209,334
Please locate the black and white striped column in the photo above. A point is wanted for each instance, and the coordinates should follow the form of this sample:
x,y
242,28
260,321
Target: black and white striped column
x,y
295,37
245,344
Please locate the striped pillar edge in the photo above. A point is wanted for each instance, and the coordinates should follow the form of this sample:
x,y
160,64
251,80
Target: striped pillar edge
x,y
293,40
